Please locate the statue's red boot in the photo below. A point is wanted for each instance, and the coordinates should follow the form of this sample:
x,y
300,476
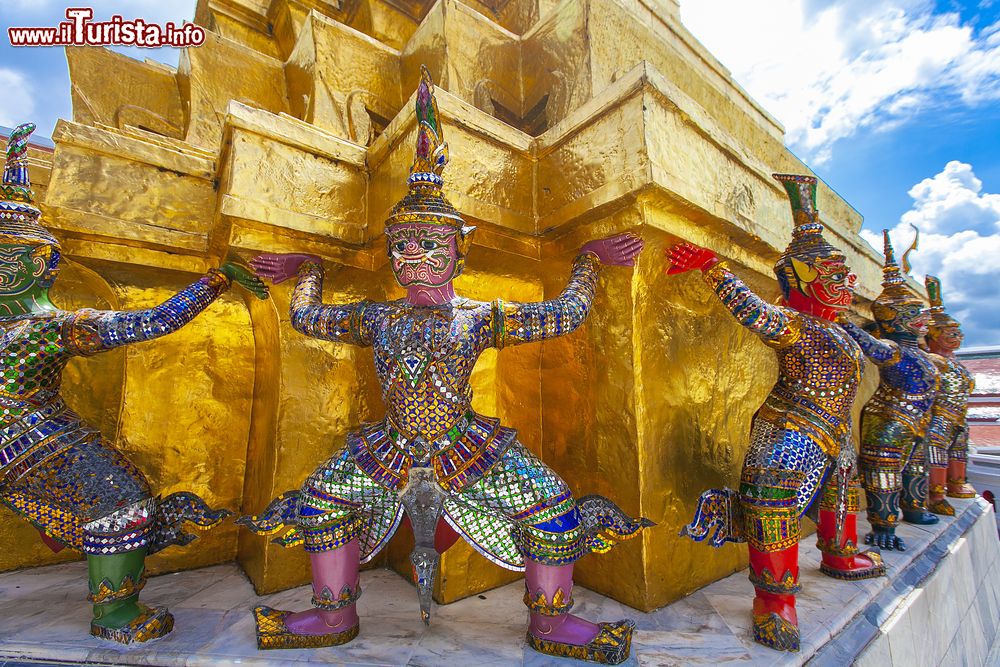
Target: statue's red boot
x,y
775,578
958,486
842,560
554,631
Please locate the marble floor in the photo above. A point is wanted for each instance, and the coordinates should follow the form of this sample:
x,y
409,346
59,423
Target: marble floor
x,y
214,625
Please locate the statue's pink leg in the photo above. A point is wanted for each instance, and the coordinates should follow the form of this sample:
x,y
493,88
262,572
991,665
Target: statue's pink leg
x,y
565,628
332,570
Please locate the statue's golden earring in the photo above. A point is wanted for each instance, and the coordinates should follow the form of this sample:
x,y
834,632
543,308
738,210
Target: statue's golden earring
x,y
463,243
804,273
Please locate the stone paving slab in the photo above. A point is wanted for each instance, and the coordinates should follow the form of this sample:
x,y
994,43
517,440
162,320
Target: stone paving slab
x,y
44,617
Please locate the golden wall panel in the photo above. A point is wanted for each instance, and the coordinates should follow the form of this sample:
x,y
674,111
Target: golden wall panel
x,y
331,201
112,89
164,206
592,165
216,72
475,58
705,377
336,75
557,61
383,21
241,22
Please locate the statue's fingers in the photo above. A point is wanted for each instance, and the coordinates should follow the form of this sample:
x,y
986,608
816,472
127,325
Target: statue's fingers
x,y
635,246
264,262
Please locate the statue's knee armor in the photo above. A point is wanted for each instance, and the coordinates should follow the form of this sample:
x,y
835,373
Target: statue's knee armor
x,y
329,502
770,508
916,458
883,444
937,443
552,535
124,530
533,497
959,450
782,448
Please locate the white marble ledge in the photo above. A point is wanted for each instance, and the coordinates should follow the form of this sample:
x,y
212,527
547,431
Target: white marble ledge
x,y
942,598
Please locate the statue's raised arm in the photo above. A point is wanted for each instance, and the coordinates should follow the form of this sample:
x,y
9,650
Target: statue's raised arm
x,y
341,323
881,352
516,323
88,331
776,325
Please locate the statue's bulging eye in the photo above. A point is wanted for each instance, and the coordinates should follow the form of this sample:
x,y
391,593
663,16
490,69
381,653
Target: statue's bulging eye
x,y
400,245
428,245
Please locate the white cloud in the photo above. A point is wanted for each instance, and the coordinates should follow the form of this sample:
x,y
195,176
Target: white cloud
x,y
959,243
19,103
827,71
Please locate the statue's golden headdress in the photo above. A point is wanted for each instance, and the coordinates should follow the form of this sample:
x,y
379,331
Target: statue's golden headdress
x,y
940,319
18,213
425,203
895,297
808,244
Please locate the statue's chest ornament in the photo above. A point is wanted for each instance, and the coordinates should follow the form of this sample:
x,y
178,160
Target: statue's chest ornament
x,y
421,345
412,362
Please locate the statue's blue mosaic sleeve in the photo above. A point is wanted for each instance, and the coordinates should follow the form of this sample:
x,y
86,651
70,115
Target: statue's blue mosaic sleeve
x,y
341,323
92,331
882,352
770,322
516,323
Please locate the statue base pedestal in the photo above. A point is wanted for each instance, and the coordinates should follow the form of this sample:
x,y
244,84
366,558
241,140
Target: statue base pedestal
x,y
939,605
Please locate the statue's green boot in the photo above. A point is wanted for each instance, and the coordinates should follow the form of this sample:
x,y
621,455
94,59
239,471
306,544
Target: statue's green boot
x,y
115,581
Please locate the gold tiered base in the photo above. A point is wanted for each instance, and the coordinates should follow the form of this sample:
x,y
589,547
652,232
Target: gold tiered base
x,y
610,647
273,633
152,623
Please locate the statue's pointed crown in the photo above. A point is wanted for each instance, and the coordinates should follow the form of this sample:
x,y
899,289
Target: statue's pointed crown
x,y
425,202
18,212
894,291
807,243
939,316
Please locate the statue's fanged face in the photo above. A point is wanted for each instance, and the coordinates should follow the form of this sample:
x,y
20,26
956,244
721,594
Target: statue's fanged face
x,y
913,318
422,254
945,339
828,280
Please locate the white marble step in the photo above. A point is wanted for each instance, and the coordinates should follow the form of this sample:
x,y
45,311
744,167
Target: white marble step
x,y
939,605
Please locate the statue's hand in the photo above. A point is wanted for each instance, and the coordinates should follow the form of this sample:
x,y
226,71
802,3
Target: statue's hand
x,y
279,268
245,277
688,257
617,250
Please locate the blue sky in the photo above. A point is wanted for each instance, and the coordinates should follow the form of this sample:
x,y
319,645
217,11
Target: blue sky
x,y
894,103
